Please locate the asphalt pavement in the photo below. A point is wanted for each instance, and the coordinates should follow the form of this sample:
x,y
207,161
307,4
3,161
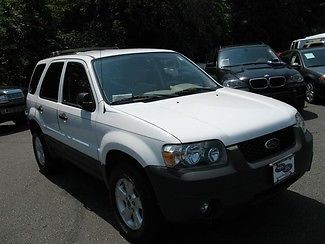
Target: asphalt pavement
x,y
72,207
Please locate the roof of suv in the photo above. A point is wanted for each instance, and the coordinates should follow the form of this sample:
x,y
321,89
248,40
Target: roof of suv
x,y
95,54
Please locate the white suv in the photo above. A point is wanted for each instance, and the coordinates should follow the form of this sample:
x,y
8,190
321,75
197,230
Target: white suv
x,y
162,134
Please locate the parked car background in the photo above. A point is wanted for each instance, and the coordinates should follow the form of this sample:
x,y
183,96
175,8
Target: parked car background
x,y
12,104
256,68
311,64
309,41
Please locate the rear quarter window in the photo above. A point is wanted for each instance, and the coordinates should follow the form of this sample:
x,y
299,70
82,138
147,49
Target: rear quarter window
x,y
36,76
51,82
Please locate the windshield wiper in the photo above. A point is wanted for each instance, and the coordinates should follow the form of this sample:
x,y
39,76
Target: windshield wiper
x,y
316,65
141,98
230,66
254,63
194,90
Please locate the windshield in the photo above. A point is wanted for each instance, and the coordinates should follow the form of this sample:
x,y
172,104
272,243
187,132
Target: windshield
x,y
245,55
139,76
313,58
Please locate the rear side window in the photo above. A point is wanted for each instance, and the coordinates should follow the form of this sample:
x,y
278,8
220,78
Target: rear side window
x,y
51,82
75,82
36,77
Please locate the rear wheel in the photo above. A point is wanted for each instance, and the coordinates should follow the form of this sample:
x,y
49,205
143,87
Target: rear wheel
x,y
310,92
43,158
134,205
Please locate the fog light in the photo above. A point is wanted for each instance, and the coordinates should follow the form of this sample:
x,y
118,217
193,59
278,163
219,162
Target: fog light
x,y
205,207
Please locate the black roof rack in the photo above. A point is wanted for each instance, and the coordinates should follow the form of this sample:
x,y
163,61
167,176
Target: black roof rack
x,y
243,44
77,50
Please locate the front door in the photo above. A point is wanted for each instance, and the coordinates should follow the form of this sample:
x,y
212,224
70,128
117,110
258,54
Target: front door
x,y
77,125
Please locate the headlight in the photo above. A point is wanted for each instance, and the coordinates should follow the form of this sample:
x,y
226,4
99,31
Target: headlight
x,y
3,98
192,154
322,78
300,122
236,83
297,78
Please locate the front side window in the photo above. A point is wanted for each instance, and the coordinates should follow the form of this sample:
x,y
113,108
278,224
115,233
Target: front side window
x,y
245,56
75,82
51,82
149,74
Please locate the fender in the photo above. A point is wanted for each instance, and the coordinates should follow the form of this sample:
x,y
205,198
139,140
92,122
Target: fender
x,y
139,147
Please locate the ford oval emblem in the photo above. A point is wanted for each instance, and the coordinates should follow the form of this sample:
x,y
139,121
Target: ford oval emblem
x,y
272,143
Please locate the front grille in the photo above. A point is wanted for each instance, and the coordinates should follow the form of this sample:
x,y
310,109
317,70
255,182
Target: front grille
x,y
276,82
255,150
259,83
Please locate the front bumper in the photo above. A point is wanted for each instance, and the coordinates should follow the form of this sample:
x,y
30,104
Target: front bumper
x,y
181,193
12,112
291,94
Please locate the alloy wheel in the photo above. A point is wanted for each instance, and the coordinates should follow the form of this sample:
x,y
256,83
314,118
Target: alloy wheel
x,y
128,204
310,92
39,151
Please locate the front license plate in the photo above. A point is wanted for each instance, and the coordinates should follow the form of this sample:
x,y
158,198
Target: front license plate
x,y
283,169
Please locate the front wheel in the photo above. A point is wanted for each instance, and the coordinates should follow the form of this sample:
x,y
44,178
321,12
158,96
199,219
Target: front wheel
x,y
134,205
310,92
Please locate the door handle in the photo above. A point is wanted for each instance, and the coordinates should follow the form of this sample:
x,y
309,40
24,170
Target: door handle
x,y
40,108
63,116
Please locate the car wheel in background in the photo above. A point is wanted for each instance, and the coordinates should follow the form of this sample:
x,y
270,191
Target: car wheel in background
x,y
310,92
20,121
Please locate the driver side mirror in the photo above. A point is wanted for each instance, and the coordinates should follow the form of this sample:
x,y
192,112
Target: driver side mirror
x,y
85,101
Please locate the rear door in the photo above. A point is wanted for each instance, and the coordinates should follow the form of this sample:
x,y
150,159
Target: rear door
x,y
47,103
78,127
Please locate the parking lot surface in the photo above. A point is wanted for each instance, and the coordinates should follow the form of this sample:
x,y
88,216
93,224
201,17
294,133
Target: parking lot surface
x,y
73,207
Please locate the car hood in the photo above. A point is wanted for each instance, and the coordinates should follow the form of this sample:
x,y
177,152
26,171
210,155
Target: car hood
x,y
320,69
260,70
6,89
229,115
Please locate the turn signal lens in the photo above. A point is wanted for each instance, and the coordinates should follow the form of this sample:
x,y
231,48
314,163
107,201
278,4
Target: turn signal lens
x,y
169,159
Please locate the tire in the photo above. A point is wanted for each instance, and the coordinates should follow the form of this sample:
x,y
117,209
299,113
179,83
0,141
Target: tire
x,y
42,155
20,121
131,194
300,105
310,93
